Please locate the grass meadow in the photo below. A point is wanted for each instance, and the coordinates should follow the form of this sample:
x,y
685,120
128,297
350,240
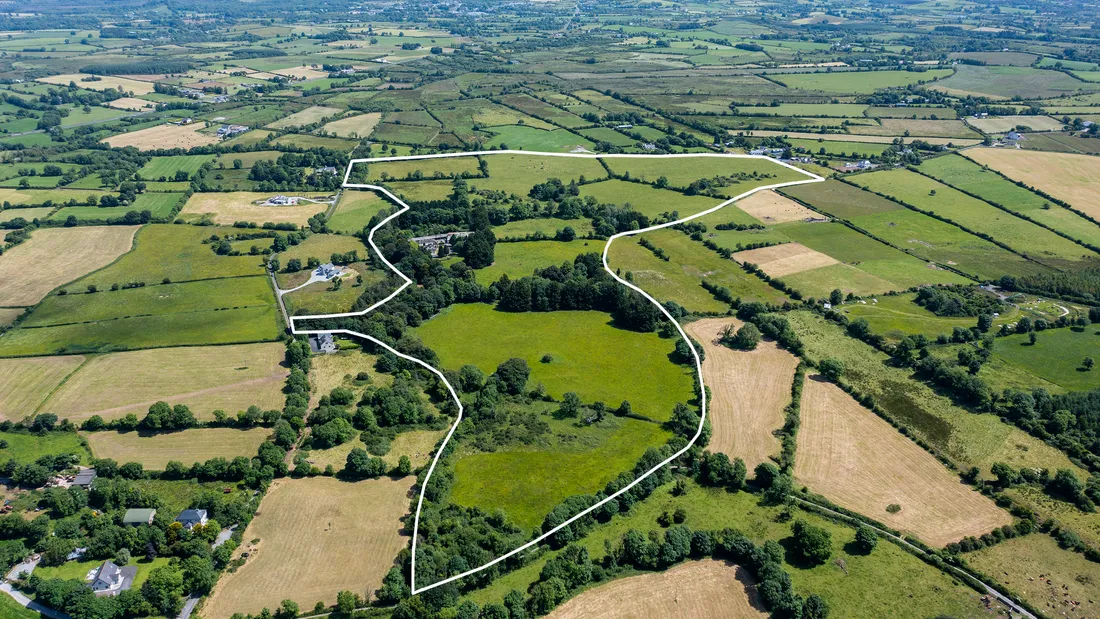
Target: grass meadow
x,y
518,173
646,199
681,172
187,446
1056,356
28,447
167,167
590,356
859,82
531,138
545,225
897,316
519,259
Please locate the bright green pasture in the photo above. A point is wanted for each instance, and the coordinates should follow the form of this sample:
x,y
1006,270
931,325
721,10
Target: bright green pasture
x,y
168,166
969,439
1056,356
27,447
528,483
530,138
440,167
605,134
186,297
859,82
1008,82
546,225
898,269
896,316
679,279
967,175
519,173
519,259
355,210
839,149
889,582
929,195
175,252
647,199
159,204
77,570
682,171
591,357
252,324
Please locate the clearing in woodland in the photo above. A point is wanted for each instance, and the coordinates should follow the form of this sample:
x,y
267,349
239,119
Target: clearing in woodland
x,y
154,452
316,537
205,378
1068,177
854,458
707,589
70,252
748,392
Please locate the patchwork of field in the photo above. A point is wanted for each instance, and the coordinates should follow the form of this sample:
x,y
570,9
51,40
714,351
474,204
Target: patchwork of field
x,y
969,439
709,589
70,253
1068,177
205,378
859,82
166,167
772,208
976,179
749,390
164,136
857,460
785,259
590,356
230,207
25,383
304,528
154,452
932,196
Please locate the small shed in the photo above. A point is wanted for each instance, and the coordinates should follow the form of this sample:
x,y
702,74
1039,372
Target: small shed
x,y
84,478
138,517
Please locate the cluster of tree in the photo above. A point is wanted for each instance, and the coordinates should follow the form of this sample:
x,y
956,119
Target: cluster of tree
x,y
36,474
958,301
141,67
745,338
583,285
1081,284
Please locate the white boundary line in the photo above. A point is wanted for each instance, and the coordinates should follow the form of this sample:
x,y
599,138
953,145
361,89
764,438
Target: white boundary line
x,y
813,178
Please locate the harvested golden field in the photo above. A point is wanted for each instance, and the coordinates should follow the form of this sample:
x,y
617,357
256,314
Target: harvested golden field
x,y
1072,178
317,537
104,82
307,116
707,589
1004,124
416,444
8,316
164,136
226,208
302,73
358,126
25,383
130,103
54,256
187,446
772,208
785,259
205,378
339,369
854,458
749,390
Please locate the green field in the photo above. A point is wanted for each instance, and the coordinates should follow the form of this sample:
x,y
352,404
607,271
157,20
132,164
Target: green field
x,y
604,134
528,483
159,204
590,356
441,167
969,439
889,582
1007,82
647,199
840,149
27,447
546,225
842,110
1056,356
859,82
929,195
519,173
840,199
355,210
403,134
897,316
519,259
968,176
323,298
519,137
319,246
167,167
678,279
174,252
77,570
681,172
315,141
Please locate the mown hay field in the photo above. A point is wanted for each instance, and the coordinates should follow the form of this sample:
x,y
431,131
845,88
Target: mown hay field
x,y
1003,124
590,356
307,116
785,259
749,390
707,589
418,445
1068,177
859,461
164,136
25,383
102,83
54,256
227,208
359,125
317,537
205,378
188,446
772,208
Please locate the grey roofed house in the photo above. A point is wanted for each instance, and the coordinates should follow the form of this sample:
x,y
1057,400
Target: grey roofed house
x,y
191,517
322,343
135,517
84,478
110,579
